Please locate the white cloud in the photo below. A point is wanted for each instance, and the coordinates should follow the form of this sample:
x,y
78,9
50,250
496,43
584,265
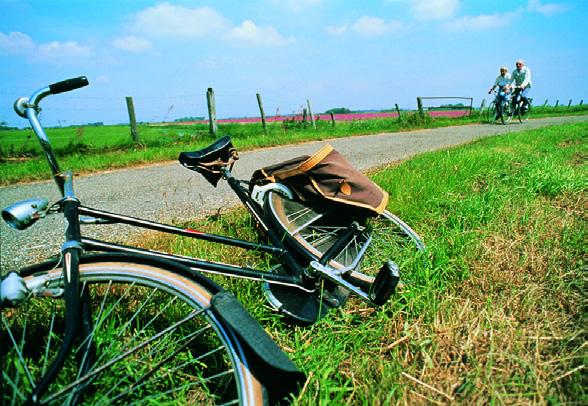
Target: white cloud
x,y
250,34
366,26
433,9
18,43
337,30
172,21
480,23
535,6
295,5
132,44
374,26
59,50
167,20
499,20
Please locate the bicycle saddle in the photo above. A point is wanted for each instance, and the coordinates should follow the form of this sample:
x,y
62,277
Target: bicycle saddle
x,y
209,160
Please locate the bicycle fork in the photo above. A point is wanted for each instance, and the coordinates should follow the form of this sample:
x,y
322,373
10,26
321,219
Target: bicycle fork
x,y
77,305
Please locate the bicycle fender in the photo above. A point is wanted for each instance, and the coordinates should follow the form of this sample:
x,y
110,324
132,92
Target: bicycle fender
x,y
270,365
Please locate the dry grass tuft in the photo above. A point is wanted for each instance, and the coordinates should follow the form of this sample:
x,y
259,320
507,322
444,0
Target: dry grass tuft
x,y
512,332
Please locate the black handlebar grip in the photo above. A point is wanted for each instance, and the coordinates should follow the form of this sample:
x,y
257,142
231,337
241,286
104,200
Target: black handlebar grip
x,y
69,84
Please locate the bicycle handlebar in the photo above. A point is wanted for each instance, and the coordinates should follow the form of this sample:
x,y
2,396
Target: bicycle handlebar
x,y
29,109
69,84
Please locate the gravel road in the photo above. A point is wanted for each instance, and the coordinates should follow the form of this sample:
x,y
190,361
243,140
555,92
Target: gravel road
x,y
170,193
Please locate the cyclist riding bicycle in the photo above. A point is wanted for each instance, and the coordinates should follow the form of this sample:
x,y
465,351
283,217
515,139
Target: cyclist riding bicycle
x,y
521,77
503,83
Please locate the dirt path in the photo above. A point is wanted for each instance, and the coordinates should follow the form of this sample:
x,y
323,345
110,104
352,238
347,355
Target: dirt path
x,y
170,193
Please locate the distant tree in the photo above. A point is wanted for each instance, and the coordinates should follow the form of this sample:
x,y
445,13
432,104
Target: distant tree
x,y
4,126
453,105
177,120
338,110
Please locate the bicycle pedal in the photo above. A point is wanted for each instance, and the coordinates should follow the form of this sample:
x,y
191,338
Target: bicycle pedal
x,y
385,283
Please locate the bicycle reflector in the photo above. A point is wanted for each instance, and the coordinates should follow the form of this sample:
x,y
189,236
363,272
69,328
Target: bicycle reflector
x,y
23,214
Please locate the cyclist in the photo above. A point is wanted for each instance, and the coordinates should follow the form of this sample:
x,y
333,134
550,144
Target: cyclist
x,y
521,77
502,81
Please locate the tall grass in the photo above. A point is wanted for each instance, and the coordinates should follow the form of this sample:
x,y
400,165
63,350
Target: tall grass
x,y
498,318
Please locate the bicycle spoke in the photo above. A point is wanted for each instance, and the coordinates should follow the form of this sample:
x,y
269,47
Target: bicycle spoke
x,y
109,349
141,382
48,345
14,386
123,356
191,384
189,340
18,352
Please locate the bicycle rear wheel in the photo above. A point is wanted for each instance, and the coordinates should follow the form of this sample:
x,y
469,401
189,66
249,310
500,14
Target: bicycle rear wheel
x,y
154,340
312,231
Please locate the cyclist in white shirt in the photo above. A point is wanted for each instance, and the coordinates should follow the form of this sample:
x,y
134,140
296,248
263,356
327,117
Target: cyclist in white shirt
x,y
521,77
503,83
503,80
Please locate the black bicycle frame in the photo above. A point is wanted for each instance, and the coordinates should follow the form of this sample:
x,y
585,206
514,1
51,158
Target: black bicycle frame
x,y
294,270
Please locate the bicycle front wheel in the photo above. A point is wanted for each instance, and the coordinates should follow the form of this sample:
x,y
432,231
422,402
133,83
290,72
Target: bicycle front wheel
x,y
153,339
491,113
312,231
505,112
524,111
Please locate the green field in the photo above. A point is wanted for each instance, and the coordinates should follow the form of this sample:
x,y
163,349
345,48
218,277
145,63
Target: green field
x,y
498,316
94,148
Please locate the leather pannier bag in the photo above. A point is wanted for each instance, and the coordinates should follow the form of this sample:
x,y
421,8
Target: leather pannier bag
x,y
324,179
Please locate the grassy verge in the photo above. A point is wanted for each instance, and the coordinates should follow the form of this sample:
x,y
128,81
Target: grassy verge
x,y
96,148
498,316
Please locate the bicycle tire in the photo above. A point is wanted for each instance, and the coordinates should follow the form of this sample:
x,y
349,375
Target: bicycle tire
x,y
505,113
133,304
311,231
491,113
524,112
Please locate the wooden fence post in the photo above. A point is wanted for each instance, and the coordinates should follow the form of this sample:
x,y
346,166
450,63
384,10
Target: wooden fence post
x,y
398,111
304,114
420,107
570,103
263,124
211,111
132,120
310,114
333,119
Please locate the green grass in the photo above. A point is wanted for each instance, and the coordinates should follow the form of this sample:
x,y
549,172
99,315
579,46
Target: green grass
x,y
496,318
90,148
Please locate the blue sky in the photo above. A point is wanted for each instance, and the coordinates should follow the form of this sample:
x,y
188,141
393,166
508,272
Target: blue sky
x,y
366,54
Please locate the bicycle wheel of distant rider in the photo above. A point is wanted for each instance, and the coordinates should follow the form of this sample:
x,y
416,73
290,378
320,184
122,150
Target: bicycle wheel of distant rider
x,y
311,231
154,340
491,113
505,113
524,112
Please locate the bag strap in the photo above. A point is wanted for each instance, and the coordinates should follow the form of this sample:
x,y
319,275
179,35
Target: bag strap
x,y
307,165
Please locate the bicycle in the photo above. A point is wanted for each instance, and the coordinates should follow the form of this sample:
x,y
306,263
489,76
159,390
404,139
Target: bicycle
x,y
500,108
521,106
130,324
